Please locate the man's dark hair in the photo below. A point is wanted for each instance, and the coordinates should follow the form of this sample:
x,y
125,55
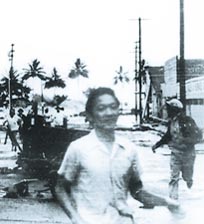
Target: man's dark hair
x,y
94,94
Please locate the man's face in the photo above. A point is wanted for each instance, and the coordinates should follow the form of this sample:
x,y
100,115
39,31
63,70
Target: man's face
x,y
105,112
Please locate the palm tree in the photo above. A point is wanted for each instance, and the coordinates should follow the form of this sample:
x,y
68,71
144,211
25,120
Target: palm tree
x,y
17,89
55,81
35,71
78,70
121,76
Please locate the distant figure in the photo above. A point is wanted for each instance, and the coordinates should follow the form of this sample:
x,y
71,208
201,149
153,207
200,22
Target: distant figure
x,y
181,136
21,121
65,121
56,120
59,118
48,117
12,126
21,113
101,169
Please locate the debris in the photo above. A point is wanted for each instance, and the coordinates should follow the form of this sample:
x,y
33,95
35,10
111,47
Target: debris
x,y
5,170
19,189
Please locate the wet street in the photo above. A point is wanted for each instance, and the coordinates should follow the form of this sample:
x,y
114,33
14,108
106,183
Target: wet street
x,y
29,209
155,177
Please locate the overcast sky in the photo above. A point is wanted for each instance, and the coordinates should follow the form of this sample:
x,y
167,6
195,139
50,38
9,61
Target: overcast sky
x,y
100,32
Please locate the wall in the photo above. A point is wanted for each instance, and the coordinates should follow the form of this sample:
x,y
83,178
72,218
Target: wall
x,y
195,99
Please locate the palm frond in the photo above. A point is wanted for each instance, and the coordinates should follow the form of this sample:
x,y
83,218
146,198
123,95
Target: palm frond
x,y
78,70
84,73
121,76
73,74
78,63
34,70
121,69
55,83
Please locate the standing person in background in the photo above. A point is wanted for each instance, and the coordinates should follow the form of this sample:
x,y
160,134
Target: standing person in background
x,y
100,169
12,126
48,117
21,121
181,136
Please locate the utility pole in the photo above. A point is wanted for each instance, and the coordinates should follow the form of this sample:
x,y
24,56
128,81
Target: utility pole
x,y
182,58
140,72
136,80
10,76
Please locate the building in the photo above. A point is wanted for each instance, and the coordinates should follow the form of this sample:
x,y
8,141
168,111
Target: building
x,y
156,74
194,76
193,68
195,99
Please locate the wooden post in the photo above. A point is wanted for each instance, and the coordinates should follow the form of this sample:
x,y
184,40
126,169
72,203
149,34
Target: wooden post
x,y
10,76
182,58
140,72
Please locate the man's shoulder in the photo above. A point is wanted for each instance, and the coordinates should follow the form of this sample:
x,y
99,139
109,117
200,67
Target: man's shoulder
x,y
125,142
189,127
123,139
186,119
82,140
181,118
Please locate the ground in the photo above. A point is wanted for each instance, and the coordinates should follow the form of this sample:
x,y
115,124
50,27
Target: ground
x,y
155,175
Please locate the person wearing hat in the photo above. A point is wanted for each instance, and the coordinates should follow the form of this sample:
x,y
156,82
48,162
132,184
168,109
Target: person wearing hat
x,y
181,136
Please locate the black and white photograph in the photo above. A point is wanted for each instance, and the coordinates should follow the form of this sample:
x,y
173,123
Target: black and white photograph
x,y
101,112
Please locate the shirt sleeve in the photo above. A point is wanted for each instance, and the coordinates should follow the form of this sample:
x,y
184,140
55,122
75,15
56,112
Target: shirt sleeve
x,y
135,183
70,165
137,168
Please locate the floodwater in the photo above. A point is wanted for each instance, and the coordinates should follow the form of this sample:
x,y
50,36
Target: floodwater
x,y
156,174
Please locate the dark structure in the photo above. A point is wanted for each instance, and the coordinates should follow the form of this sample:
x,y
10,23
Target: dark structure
x,y
44,146
156,74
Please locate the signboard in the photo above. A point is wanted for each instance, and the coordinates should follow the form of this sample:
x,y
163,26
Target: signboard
x,y
170,71
170,90
194,68
195,88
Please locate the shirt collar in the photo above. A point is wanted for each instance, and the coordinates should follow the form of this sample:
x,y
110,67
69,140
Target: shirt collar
x,y
96,142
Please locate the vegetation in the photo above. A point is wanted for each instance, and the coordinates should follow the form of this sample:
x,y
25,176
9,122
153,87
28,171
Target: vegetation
x,y
15,84
55,81
121,76
34,70
21,92
18,90
78,70
52,83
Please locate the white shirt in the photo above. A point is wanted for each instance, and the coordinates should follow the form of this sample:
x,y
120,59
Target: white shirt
x,y
100,178
13,122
